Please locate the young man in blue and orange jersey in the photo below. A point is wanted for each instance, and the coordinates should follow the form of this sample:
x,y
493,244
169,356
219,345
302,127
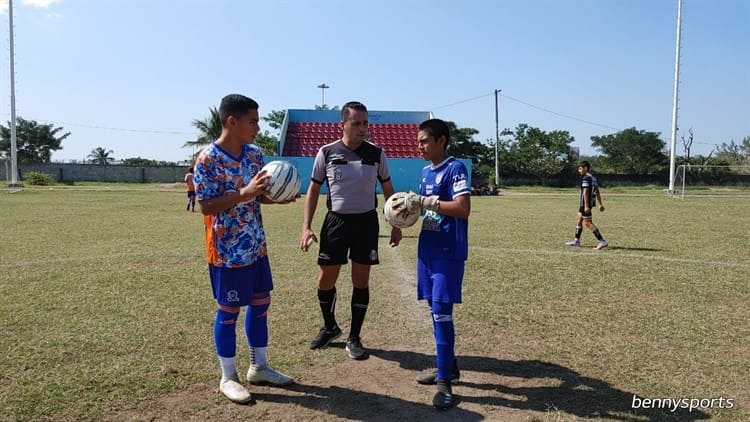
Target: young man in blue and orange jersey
x,y
229,186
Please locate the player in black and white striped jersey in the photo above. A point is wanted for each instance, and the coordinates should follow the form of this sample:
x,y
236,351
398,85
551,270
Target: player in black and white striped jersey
x,y
587,201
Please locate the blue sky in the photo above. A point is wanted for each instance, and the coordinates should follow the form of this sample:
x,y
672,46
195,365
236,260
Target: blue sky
x,y
131,76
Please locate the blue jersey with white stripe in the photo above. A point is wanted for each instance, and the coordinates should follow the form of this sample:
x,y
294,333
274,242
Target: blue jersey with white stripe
x,y
444,237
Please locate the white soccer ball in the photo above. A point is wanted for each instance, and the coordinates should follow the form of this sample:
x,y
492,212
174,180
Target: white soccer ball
x,y
405,218
284,182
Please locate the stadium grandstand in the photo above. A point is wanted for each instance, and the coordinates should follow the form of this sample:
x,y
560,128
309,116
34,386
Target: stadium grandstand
x,y
305,131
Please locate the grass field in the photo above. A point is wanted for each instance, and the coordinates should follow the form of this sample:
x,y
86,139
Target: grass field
x,y
105,306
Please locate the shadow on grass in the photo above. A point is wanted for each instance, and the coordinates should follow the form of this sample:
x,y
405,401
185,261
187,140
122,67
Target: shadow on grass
x,y
575,394
364,406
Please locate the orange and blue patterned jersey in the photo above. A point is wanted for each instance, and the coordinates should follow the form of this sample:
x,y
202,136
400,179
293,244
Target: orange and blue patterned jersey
x,y
234,237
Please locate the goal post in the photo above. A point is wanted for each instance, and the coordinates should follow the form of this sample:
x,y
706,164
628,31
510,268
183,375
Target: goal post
x,y
695,180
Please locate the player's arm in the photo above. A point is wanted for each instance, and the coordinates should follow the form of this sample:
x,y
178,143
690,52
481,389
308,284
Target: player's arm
x,y
587,199
231,198
396,234
599,198
311,203
459,207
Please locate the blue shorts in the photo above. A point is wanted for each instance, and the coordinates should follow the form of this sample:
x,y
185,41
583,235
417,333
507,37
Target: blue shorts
x,y
235,286
439,280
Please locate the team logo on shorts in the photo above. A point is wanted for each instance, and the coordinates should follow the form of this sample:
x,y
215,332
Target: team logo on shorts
x,y
232,296
373,255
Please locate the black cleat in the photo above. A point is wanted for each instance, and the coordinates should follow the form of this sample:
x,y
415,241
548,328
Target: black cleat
x,y
443,399
325,336
430,377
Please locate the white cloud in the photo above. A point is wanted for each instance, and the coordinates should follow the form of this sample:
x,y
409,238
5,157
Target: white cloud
x,y
40,3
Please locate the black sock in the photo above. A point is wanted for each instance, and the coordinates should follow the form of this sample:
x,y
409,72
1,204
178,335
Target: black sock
x,y
579,229
327,300
598,235
360,301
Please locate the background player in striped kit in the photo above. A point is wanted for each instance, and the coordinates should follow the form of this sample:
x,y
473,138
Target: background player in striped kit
x,y
587,201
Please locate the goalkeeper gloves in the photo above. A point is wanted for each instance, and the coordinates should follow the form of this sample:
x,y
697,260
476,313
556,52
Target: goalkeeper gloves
x,y
425,202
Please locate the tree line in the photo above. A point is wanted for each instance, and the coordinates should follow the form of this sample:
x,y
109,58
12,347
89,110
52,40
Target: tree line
x,y
525,150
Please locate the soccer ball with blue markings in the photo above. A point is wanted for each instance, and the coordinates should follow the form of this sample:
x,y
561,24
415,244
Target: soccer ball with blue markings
x,y
284,183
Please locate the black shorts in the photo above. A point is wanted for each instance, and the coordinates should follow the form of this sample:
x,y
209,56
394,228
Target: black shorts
x,y
352,234
584,214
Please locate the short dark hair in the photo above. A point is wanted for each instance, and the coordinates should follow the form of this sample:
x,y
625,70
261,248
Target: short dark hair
x,y
437,128
236,105
346,110
584,163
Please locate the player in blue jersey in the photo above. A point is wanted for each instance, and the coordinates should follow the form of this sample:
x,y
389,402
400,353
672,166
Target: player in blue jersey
x,y
445,198
587,201
229,185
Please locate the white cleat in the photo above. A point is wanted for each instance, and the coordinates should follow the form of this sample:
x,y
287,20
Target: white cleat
x,y
233,390
601,245
573,243
267,375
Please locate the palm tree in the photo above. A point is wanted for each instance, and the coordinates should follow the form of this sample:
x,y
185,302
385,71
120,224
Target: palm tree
x,y
100,155
209,129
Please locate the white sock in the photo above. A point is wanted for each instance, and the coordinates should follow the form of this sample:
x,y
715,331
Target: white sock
x,y
228,367
258,356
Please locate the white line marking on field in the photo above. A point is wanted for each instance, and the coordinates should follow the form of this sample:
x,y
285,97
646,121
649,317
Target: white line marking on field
x,y
612,255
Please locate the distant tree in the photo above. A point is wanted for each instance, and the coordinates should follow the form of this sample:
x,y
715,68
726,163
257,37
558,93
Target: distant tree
x,y
100,155
34,142
687,144
275,118
325,107
145,162
463,145
266,142
209,129
632,151
734,154
140,162
538,153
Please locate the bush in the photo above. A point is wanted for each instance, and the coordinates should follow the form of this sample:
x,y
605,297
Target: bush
x,y
39,179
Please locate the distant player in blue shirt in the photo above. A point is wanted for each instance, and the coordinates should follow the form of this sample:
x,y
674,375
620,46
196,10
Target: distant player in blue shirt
x,y
445,198
587,202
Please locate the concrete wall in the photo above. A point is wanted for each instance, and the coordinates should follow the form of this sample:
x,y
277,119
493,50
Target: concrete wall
x,y
70,173
405,172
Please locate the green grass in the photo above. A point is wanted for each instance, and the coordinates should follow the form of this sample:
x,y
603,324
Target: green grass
x,y
106,304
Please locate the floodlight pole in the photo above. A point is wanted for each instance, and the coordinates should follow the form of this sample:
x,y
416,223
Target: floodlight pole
x,y
323,88
497,141
13,180
674,99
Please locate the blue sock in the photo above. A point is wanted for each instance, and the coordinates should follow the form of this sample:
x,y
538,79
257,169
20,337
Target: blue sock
x,y
225,336
256,320
445,338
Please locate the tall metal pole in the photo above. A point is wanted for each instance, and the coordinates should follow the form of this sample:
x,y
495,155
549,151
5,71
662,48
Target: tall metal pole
x,y
13,141
497,142
674,99
323,87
